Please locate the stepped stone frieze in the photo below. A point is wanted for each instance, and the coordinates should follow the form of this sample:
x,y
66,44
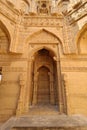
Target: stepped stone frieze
x,y
43,21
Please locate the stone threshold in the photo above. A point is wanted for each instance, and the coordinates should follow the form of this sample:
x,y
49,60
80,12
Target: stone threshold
x,y
52,121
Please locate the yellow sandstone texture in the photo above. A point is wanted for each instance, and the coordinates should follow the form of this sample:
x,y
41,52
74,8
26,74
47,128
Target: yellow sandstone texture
x,y
43,57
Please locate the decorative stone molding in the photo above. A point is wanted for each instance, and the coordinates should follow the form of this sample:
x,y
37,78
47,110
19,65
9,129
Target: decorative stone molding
x,y
22,83
5,58
10,2
67,38
8,12
75,69
9,82
64,91
78,13
13,69
42,21
81,58
76,4
4,64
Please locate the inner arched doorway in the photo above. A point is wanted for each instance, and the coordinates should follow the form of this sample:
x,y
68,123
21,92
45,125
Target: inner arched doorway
x,y
44,89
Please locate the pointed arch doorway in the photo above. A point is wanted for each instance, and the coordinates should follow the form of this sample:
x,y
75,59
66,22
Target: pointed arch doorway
x,y
44,79
44,59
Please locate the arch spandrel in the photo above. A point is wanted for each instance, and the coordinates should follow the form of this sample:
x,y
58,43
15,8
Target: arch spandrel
x,y
43,36
43,39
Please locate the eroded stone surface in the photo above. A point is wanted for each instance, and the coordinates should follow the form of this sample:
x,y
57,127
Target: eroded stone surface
x,y
61,121
43,62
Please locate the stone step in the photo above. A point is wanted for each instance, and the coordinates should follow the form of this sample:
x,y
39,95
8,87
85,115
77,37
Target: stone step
x,y
61,122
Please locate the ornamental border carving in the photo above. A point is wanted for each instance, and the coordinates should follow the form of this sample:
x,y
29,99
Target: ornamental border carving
x,y
74,69
9,82
14,69
42,21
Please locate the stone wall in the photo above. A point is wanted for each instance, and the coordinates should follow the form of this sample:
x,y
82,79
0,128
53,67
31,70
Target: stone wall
x,y
21,36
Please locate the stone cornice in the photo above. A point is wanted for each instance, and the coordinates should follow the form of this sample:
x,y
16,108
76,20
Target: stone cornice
x,y
74,69
10,7
78,13
49,21
8,11
75,10
13,69
74,59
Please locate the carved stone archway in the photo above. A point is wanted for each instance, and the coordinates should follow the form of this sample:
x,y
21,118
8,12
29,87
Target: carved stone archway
x,y
44,52
43,79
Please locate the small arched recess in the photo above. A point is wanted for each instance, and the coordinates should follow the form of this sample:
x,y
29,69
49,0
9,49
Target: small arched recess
x,y
82,41
4,39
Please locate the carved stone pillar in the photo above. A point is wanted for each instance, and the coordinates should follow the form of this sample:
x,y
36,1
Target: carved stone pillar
x,y
15,39
28,86
52,98
60,93
35,89
64,92
20,107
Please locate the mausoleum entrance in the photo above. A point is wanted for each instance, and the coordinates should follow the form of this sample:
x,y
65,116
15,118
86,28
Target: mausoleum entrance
x,y
45,87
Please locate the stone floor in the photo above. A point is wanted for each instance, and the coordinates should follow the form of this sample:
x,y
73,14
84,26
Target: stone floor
x,y
61,122
43,110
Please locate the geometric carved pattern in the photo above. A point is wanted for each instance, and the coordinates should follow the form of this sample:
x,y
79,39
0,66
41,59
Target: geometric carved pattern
x,y
43,21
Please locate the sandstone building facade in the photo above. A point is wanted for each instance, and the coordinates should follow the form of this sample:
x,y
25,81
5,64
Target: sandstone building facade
x,y
43,58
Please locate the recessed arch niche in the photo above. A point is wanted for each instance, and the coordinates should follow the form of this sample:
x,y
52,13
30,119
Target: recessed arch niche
x,y
83,43
4,39
82,40
44,89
